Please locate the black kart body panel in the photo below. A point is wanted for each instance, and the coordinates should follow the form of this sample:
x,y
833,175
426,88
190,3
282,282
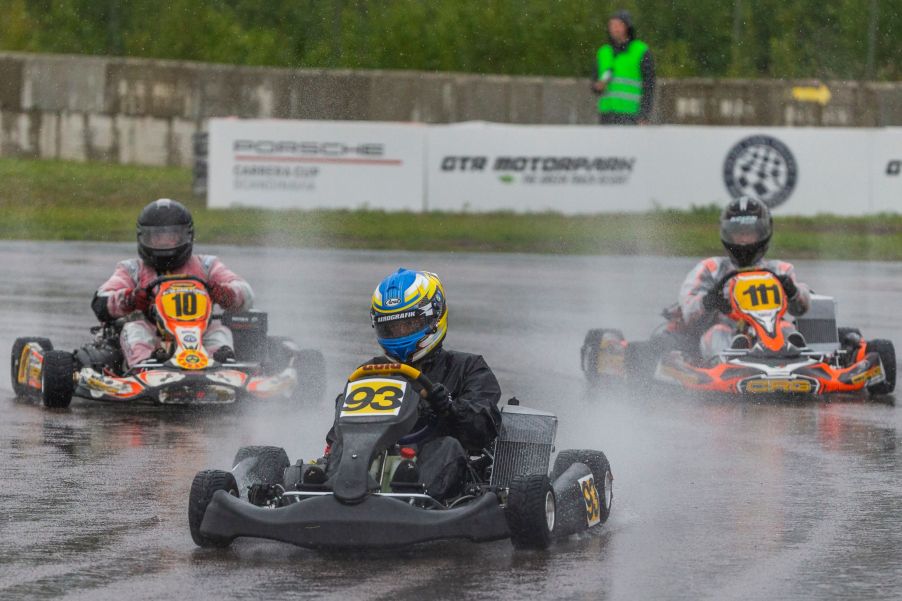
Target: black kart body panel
x,y
323,522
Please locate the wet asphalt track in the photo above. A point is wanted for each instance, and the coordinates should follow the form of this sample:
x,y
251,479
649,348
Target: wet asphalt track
x,y
713,500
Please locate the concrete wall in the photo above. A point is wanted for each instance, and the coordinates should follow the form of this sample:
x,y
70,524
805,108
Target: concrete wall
x,y
145,111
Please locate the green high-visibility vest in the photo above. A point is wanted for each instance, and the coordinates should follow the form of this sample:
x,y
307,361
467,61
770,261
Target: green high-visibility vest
x,y
623,93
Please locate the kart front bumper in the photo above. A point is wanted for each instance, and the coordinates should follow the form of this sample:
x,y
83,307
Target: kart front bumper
x,y
325,523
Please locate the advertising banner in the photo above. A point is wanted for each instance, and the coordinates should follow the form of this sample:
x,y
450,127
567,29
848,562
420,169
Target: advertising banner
x,y
491,167
481,167
315,164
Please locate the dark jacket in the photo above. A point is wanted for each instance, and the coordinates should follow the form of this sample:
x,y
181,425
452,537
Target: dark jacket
x,y
474,418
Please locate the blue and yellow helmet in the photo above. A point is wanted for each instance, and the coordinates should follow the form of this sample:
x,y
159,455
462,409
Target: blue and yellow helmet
x,y
409,314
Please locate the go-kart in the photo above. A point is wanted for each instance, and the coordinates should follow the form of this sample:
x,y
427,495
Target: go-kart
x,y
769,354
263,366
373,497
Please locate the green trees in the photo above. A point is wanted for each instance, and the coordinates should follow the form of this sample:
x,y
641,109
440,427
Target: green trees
x,y
710,38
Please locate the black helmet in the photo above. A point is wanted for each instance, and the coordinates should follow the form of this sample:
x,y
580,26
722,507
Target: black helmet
x,y
745,230
165,234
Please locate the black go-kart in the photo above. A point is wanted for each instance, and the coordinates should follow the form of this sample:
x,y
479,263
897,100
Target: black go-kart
x,y
373,497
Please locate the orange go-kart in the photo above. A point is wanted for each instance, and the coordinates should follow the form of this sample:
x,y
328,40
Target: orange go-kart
x,y
771,352
264,366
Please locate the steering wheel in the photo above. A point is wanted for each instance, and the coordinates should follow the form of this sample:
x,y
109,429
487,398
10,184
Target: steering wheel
x,y
723,281
414,375
149,288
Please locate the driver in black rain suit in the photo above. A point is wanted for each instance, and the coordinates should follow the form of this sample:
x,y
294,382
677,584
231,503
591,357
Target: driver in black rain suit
x,y
464,402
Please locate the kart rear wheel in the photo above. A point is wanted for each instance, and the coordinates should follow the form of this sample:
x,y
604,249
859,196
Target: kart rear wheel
x,y
531,511
601,470
887,353
16,358
270,465
205,484
58,379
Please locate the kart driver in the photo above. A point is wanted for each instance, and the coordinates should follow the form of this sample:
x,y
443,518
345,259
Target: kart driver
x,y
165,244
746,226
465,398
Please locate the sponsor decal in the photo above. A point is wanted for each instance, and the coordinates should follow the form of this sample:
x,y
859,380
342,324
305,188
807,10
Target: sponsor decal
x,y
762,167
778,385
373,397
546,170
875,373
191,359
396,316
393,301
590,497
308,148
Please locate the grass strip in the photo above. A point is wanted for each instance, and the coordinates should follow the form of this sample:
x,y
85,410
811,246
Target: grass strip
x,y
61,200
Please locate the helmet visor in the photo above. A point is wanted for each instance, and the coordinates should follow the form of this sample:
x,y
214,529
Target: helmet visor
x,y
398,325
164,237
744,230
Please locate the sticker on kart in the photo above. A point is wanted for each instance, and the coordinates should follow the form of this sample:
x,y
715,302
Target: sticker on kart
x,y
590,497
758,293
373,397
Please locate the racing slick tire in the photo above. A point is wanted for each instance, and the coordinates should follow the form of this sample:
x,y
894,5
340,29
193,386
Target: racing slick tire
x,y
203,486
16,357
270,465
601,470
530,512
887,353
58,379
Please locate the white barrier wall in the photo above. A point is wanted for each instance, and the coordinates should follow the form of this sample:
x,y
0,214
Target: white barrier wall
x,y
568,169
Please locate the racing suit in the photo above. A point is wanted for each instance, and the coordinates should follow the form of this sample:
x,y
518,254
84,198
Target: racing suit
x,y
139,338
470,426
718,328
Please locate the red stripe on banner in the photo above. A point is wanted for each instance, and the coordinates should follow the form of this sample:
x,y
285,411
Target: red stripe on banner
x,y
245,157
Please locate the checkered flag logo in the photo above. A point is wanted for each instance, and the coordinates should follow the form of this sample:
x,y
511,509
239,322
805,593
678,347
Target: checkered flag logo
x,y
761,167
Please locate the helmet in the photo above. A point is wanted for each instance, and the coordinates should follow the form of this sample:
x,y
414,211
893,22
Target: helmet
x,y
745,230
409,314
165,234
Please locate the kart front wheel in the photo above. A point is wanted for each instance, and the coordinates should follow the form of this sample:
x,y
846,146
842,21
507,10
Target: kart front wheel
x,y
598,464
16,361
531,511
58,379
887,353
270,464
205,484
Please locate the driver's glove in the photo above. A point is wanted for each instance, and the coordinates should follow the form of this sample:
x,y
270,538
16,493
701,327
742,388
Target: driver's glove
x,y
789,286
439,400
715,301
224,296
136,299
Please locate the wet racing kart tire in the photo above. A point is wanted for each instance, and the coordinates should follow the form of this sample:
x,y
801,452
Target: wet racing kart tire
x,y
270,465
887,353
531,510
204,485
591,349
58,379
16,357
598,463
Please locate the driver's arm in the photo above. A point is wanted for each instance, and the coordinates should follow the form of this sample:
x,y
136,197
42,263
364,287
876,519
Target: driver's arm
x,y
240,292
475,417
109,301
801,302
697,284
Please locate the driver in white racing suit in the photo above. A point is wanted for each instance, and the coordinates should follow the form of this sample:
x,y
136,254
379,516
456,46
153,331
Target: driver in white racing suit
x,y
165,245
746,226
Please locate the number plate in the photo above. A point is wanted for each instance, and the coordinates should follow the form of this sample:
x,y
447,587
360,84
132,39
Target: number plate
x,y
758,293
185,305
373,396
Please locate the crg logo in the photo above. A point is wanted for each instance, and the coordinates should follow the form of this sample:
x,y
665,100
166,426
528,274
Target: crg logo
x,y
894,168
